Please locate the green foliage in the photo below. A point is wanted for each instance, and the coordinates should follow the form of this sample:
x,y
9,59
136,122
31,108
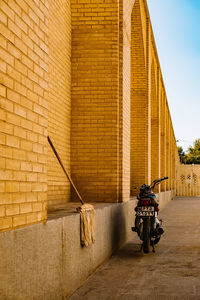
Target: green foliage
x,y
193,154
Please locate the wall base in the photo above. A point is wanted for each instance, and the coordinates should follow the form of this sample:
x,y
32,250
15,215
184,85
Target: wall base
x,y
46,261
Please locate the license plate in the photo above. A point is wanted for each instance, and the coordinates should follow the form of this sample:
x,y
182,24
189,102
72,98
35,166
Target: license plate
x,y
145,211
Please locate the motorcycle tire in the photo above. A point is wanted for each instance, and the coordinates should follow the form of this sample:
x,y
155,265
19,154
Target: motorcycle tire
x,y
146,235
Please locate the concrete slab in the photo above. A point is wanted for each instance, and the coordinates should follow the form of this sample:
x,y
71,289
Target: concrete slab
x,y
173,272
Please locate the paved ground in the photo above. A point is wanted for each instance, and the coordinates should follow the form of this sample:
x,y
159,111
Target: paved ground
x,y
173,272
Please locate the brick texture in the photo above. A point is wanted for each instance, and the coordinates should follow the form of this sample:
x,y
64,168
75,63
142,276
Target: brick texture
x,y
86,73
94,156
59,105
23,125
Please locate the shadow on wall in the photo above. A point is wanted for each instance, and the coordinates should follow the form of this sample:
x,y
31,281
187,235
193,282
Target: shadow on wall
x,y
118,227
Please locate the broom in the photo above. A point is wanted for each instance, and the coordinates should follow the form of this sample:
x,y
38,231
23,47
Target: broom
x,y
86,210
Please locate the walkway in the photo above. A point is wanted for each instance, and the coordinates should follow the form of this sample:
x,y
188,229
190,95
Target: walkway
x,y
173,272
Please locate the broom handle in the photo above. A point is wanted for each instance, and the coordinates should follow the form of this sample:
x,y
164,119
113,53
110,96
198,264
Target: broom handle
x,y
60,162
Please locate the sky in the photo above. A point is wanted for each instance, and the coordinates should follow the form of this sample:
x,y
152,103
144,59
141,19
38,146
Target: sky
x,y
176,27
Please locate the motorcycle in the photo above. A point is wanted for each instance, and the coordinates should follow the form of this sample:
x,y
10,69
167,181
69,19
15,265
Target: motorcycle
x,y
147,225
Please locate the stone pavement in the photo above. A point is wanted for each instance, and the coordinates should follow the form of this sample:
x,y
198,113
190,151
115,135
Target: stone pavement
x,y
172,272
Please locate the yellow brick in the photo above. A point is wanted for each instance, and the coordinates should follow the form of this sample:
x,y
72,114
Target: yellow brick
x,y
33,36
37,148
33,76
37,207
37,168
13,73
25,187
31,177
19,132
25,102
13,119
14,51
26,39
32,218
26,145
19,110
18,198
6,57
2,163
28,62
32,197
12,164
2,210
3,42
19,176
25,208
2,90
24,6
37,128
12,210
32,157
18,154
5,223
26,166
5,198
20,44
7,105
7,10
2,187
33,56
19,220
16,8
12,26
11,187
20,23
12,141
33,16
2,66
6,33
6,128
21,67
26,124
3,18
6,81
2,114
31,136
38,90
37,187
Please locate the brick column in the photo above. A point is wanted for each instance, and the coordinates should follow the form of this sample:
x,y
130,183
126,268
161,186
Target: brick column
x,y
154,126
139,98
95,99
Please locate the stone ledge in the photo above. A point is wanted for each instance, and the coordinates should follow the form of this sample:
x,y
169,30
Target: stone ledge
x,y
46,261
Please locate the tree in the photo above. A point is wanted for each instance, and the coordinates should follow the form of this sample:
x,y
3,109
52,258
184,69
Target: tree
x,y
181,154
193,154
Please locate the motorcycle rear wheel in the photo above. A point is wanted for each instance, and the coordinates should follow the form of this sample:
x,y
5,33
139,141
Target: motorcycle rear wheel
x,y
146,235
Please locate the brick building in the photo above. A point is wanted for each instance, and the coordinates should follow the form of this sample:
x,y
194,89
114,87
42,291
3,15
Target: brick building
x,y
86,73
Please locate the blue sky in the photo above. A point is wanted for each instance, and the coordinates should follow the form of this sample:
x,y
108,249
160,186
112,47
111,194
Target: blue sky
x,y
176,27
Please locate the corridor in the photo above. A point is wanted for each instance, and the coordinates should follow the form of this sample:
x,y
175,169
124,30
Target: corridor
x,y
172,272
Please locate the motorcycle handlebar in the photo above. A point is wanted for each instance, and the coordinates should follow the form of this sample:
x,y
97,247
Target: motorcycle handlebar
x,y
157,181
164,178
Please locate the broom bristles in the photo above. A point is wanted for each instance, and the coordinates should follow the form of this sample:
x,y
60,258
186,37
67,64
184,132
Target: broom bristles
x,y
87,224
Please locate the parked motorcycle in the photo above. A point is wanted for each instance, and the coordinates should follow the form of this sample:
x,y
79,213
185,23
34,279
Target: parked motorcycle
x,y
147,225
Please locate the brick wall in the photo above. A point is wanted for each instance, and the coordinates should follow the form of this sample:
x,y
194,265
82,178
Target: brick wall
x,y
138,99
154,124
95,96
87,73
23,112
59,104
